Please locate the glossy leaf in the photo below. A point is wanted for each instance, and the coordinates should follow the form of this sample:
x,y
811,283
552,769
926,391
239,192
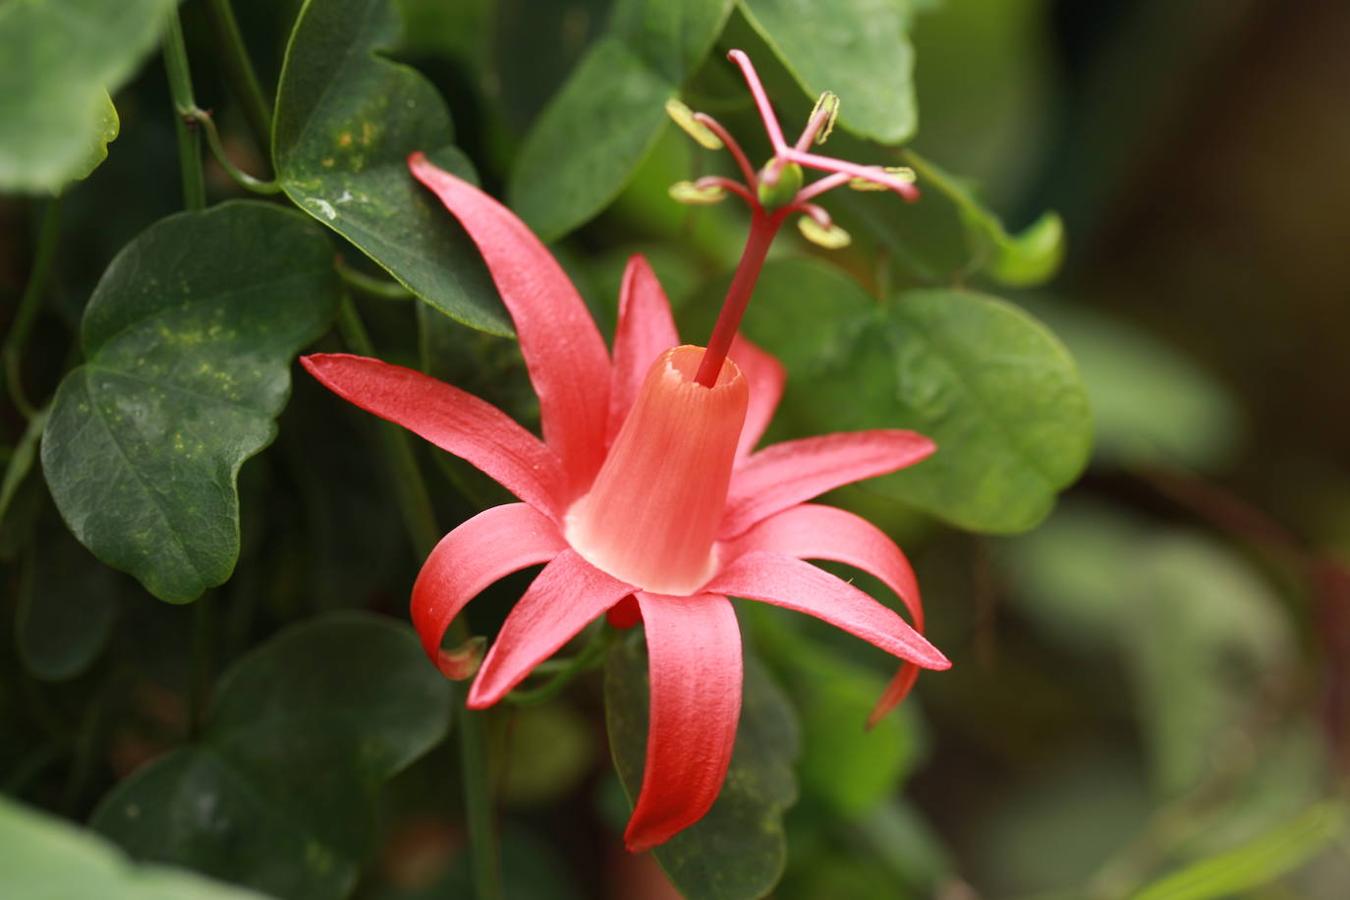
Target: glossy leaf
x,y
859,49
187,359
738,850
992,387
346,120
45,857
609,114
62,57
279,792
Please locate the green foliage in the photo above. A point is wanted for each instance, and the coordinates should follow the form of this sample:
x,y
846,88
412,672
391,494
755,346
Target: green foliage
x,y
610,112
186,367
346,121
44,858
277,794
738,849
995,390
61,59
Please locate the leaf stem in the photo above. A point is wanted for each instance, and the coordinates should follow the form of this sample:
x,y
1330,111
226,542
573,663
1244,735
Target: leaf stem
x,y
242,76
189,138
201,117
49,232
374,287
420,521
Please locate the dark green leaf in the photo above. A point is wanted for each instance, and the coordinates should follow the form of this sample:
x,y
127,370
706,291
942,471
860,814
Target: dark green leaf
x,y
61,59
346,121
278,794
45,857
738,849
859,49
188,341
993,388
609,114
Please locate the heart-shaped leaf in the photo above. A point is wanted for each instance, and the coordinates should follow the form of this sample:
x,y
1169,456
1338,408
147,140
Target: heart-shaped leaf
x,y
989,384
610,112
859,49
62,57
738,850
188,340
279,793
346,121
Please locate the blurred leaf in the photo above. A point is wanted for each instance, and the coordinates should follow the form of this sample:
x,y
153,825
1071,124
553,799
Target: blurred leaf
x,y
279,792
738,849
1150,404
859,49
346,121
549,750
46,858
609,114
1257,863
992,387
532,869
187,340
62,57
1028,258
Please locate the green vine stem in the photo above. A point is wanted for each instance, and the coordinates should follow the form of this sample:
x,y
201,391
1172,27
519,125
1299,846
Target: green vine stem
x,y
419,519
242,76
373,287
202,118
189,138
590,656
49,231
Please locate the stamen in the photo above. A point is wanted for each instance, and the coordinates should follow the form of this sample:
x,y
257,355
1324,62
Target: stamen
x,y
688,120
826,234
903,173
692,193
743,161
866,173
821,121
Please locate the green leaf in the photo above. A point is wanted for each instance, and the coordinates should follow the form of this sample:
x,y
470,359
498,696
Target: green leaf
x,y
1150,404
42,856
1031,257
610,113
346,121
1257,863
859,49
62,57
187,341
279,793
992,387
738,850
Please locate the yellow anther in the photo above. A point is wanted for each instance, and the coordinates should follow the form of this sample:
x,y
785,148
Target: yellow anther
x,y
899,173
694,194
683,116
829,103
831,236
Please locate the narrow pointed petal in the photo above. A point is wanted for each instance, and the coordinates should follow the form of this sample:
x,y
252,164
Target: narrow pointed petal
x,y
563,350
783,475
456,421
766,376
566,597
792,584
810,531
488,547
645,331
694,665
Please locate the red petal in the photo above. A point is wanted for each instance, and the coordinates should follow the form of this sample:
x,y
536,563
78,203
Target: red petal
x,y
767,377
792,584
563,350
789,473
694,661
491,545
456,421
568,595
823,532
645,331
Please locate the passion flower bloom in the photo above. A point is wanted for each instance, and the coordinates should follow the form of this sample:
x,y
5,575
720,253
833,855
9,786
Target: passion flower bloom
x,y
645,499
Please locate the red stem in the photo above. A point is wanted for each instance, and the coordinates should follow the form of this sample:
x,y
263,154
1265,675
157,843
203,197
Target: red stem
x,y
762,230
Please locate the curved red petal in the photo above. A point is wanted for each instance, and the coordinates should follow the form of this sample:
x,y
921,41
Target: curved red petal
x,y
454,420
767,377
490,546
792,584
810,531
645,331
694,666
783,475
563,350
567,596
